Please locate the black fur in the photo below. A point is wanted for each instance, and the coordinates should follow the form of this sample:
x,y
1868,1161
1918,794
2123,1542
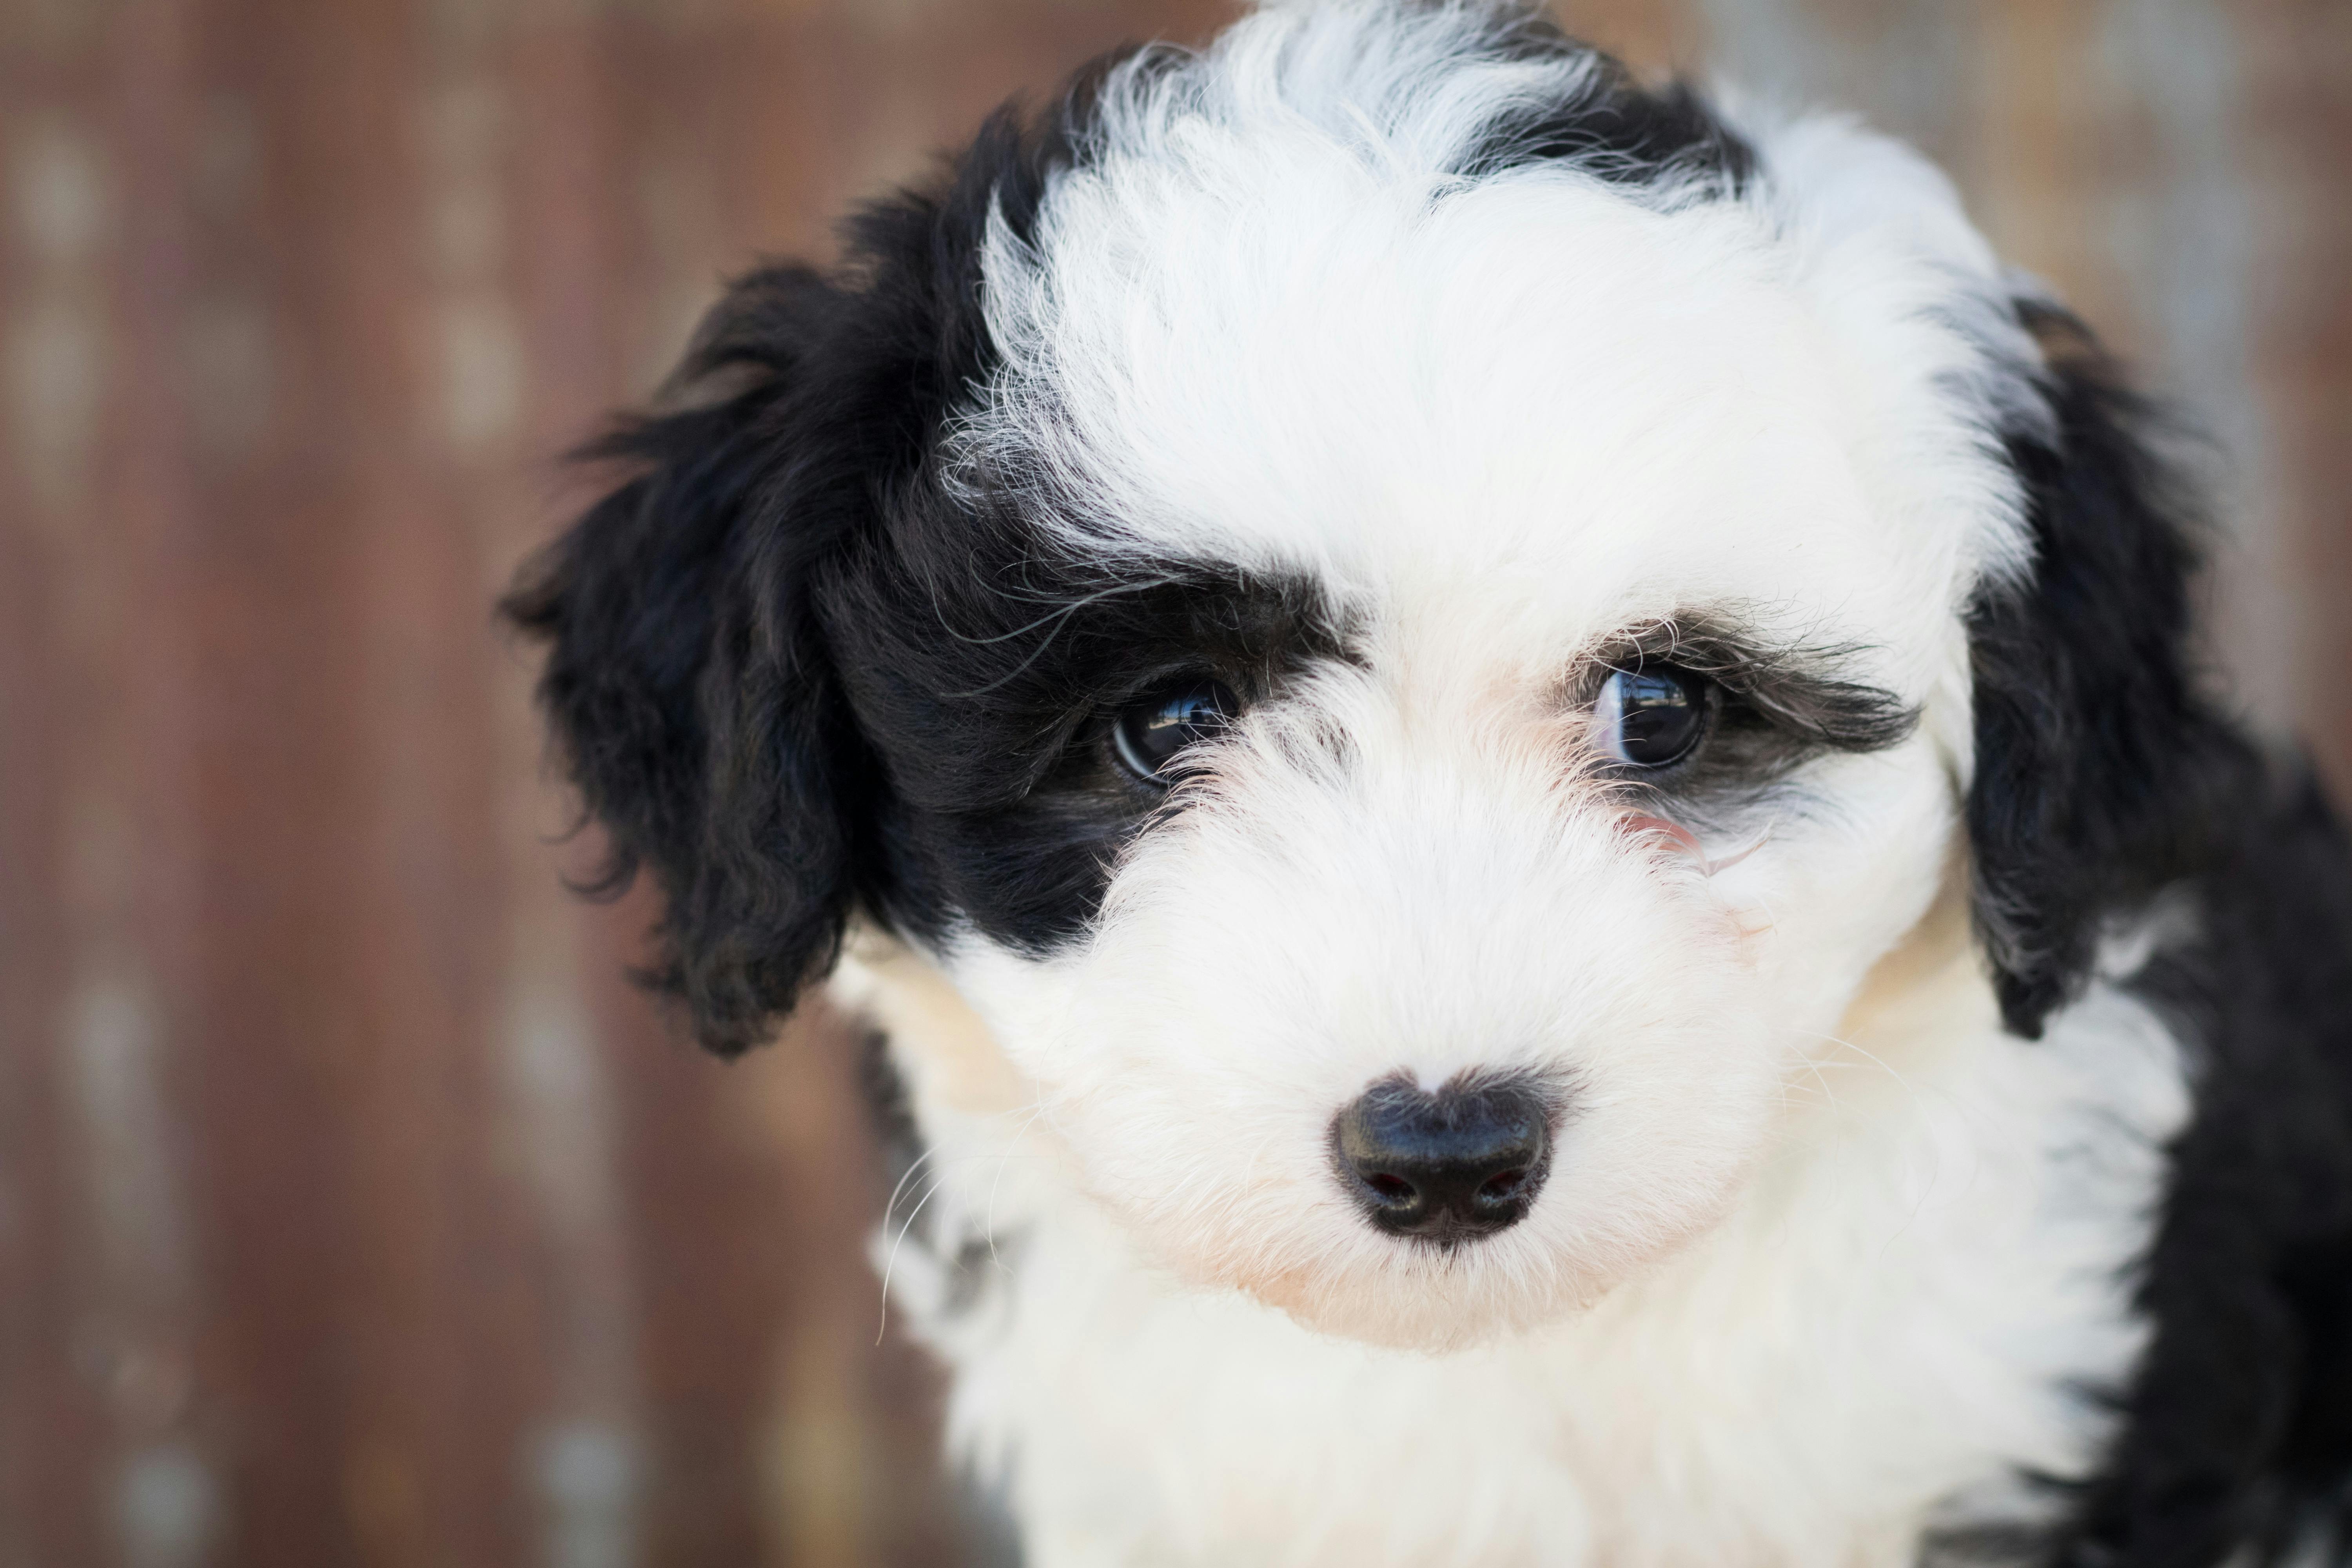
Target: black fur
x,y
1615,128
2234,1438
691,681
2104,778
2238,1428
2101,769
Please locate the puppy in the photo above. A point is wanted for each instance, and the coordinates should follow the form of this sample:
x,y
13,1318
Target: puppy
x,y
1511,765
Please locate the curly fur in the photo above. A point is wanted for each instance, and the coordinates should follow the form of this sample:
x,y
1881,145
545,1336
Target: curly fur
x,y
1960,1159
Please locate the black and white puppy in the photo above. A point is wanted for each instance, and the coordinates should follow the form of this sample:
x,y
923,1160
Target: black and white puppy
x,y
1511,763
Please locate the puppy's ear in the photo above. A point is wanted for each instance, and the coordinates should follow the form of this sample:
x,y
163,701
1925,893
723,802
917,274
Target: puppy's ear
x,y
2099,767
689,692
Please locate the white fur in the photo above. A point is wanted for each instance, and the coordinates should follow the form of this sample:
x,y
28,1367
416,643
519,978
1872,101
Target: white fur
x,y
1895,1314
1822,1249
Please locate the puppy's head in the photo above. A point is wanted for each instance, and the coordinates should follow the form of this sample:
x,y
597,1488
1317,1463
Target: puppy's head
x,y
1408,619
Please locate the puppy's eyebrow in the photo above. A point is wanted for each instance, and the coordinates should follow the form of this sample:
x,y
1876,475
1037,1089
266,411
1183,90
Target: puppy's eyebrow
x,y
1805,690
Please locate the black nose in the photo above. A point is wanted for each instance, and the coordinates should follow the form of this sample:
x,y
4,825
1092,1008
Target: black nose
x,y
1464,1161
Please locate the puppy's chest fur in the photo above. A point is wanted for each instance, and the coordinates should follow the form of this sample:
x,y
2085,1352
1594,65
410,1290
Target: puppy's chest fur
x,y
1916,1301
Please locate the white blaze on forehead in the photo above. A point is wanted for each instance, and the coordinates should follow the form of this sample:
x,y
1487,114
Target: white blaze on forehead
x,y
1261,323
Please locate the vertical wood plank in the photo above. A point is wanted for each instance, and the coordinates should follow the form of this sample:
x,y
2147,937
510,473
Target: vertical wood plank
x,y
590,1464
55,601
375,1328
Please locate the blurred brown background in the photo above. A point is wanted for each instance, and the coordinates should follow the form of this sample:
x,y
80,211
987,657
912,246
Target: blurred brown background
x,y
352,1209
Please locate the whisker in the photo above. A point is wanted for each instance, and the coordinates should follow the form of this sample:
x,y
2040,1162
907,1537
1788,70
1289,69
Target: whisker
x,y
914,1167
890,1262
988,1219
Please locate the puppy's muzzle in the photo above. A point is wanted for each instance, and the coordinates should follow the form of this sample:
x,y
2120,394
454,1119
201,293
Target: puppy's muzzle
x,y
1449,1166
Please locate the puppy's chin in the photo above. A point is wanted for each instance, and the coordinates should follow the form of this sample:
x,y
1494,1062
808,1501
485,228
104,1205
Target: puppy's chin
x,y
1427,1317
1399,1295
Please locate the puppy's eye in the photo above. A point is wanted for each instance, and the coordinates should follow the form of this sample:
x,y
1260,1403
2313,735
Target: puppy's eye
x,y
1650,717
1151,734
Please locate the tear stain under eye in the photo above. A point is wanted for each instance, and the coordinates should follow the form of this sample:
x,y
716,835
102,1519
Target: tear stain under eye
x,y
1682,838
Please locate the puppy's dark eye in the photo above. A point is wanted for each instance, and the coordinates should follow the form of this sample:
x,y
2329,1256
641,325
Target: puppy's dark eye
x,y
1650,717
1150,734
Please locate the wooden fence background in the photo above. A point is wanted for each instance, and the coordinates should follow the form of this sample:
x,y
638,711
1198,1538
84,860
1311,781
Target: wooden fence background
x,y
352,1209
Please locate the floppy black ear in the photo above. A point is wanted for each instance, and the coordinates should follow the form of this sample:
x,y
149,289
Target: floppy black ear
x,y
689,693
2098,763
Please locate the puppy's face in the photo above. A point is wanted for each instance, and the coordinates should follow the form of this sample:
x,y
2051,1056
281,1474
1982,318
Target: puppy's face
x,y
1403,618
1491,693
